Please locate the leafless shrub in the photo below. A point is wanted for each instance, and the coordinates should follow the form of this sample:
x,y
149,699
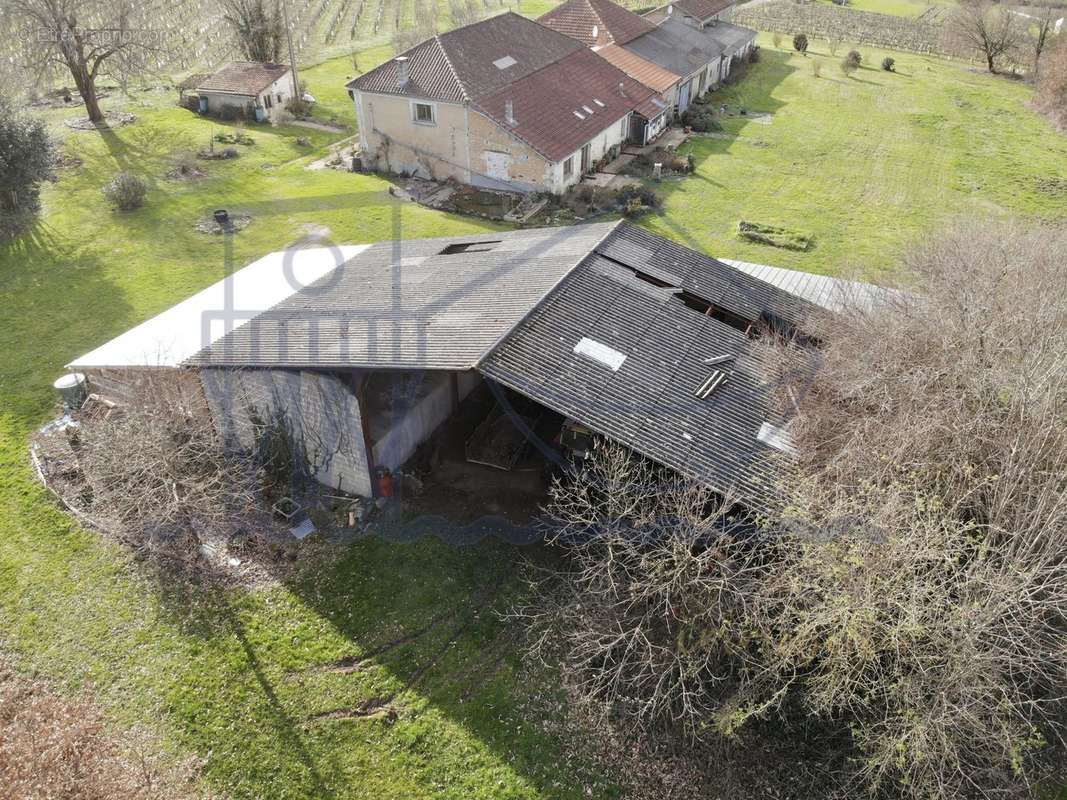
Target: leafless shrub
x,y
657,572
1051,96
159,471
51,747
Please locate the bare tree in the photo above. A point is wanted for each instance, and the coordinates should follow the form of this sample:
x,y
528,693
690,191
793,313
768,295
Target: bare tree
x,y
87,39
260,31
988,28
1042,29
913,592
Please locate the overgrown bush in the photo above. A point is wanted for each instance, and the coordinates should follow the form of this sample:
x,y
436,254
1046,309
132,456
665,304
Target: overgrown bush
x,y
774,235
51,747
800,43
126,191
701,119
753,54
887,63
27,158
1051,96
911,593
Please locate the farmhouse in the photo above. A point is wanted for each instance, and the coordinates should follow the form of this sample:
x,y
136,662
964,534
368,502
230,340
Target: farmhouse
x,y
504,103
257,91
679,50
370,351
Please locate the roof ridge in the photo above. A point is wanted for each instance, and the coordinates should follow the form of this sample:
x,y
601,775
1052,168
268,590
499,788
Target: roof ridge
x,y
550,291
452,67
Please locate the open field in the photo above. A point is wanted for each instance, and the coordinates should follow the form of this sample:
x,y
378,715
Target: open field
x,y
866,164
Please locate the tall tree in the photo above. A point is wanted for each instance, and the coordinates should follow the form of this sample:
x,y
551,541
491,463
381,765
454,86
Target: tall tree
x,y
259,30
88,39
1043,29
989,28
27,157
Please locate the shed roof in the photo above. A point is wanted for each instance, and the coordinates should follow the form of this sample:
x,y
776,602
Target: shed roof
x,y
729,36
640,69
680,48
616,349
471,61
419,304
596,22
169,338
561,107
245,78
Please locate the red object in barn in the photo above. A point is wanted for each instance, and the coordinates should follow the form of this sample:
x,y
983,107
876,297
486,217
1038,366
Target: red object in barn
x,y
385,483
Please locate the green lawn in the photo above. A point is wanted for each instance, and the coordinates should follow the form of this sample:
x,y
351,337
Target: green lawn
x,y
867,165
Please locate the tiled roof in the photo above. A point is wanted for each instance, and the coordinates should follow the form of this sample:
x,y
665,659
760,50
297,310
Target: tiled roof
x,y
471,61
610,21
243,78
561,107
703,9
407,304
680,48
652,107
648,401
640,69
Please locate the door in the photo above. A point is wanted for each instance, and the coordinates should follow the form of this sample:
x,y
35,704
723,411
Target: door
x,y
496,165
585,159
683,96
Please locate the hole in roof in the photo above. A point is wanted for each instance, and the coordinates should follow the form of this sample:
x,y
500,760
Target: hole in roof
x,y
505,62
469,247
709,309
601,353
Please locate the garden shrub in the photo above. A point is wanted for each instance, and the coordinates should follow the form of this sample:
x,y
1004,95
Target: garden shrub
x,y
851,62
887,64
753,55
800,43
126,191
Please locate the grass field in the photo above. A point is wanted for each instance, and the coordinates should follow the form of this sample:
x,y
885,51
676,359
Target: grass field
x,y
866,164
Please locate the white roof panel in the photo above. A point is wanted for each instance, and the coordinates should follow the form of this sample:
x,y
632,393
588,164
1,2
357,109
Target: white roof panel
x,y
169,338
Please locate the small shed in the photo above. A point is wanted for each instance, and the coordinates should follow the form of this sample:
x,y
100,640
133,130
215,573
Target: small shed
x,y
249,88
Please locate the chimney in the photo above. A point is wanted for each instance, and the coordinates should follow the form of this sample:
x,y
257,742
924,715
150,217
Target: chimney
x,y
402,71
509,112
622,89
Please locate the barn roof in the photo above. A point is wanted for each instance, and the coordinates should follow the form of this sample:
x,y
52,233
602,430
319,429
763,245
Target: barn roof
x,y
620,347
641,69
417,304
680,48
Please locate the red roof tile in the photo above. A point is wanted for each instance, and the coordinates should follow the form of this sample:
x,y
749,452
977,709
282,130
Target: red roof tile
x,y
545,103
243,78
651,75
470,61
610,21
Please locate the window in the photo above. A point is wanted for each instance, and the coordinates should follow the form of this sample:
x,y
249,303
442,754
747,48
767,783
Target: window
x,y
422,113
624,129
266,100
568,167
469,247
279,97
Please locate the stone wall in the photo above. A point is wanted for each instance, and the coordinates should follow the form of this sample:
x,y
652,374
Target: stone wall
x,y
847,25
